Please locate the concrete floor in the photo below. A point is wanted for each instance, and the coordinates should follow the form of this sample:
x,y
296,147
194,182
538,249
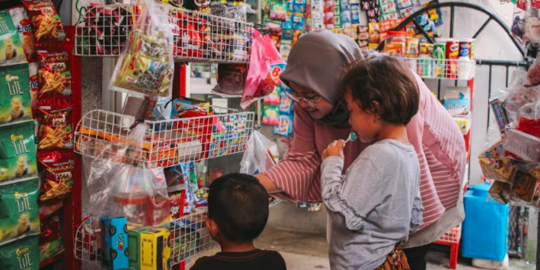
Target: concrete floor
x,y
305,251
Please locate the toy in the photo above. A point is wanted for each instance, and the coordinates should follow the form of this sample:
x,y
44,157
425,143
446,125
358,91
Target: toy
x,y
114,241
154,245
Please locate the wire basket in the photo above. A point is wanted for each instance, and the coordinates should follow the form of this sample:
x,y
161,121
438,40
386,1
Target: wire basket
x,y
451,237
106,135
103,30
442,69
188,236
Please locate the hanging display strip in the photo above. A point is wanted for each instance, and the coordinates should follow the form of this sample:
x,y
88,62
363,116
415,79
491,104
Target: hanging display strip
x,y
103,30
106,135
431,68
185,238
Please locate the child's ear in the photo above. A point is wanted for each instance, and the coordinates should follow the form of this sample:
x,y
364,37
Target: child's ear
x,y
212,227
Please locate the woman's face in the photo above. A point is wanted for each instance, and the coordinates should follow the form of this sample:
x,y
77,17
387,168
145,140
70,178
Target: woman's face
x,y
311,102
365,124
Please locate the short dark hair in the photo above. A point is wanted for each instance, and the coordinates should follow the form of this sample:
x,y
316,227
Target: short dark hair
x,y
238,204
386,80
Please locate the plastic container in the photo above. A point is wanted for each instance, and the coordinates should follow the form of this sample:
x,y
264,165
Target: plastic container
x,y
485,228
395,43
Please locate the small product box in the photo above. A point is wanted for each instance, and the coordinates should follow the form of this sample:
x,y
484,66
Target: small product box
x,y
526,188
154,246
134,238
464,123
114,241
457,101
523,145
495,165
500,192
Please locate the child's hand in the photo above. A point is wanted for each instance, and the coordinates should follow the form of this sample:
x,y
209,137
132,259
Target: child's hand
x,y
335,149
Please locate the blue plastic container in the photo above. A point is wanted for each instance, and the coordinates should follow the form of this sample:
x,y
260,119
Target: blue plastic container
x,y
485,228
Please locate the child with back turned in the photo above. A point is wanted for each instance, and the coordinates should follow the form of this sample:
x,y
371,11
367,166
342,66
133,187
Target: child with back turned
x,y
237,215
377,204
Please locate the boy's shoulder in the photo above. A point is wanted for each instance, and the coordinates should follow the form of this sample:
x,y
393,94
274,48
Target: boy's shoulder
x,y
262,259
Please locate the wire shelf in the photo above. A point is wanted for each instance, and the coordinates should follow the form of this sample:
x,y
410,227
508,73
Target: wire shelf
x,y
451,237
103,30
430,68
188,237
106,135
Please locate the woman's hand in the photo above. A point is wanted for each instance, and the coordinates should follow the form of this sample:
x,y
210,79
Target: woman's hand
x,y
335,149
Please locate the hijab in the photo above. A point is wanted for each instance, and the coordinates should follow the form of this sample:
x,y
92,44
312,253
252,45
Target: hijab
x,y
316,62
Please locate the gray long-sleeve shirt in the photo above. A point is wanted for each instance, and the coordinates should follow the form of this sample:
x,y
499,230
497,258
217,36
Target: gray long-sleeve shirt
x,y
374,206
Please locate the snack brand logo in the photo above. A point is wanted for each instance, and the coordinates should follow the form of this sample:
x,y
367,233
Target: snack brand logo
x,y
19,145
454,47
14,85
25,27
21,251
23,202
23,256
3,27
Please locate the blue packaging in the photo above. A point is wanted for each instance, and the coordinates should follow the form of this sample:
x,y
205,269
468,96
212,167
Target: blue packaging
x,y
285,126
114,243
355,14
286,104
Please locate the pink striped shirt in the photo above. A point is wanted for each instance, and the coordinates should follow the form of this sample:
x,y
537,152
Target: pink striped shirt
x,y
434,135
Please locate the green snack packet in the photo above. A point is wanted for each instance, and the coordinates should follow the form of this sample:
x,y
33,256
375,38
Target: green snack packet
x,y
15,99
11,50
17,151
19,212
50,250
20,255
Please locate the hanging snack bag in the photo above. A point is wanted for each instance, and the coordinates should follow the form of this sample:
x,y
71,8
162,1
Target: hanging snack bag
x,y
19,214
48,208
34,85
24,27
146,65
278,10
55,123
53,75
23,253
57,169
45,19
17,151
270,115
50,229
11,49
15,101
48,251
285,126
374,33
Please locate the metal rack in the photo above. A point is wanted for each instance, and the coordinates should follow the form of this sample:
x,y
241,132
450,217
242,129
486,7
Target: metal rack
x,y
103,30
106,135
188,237
442,69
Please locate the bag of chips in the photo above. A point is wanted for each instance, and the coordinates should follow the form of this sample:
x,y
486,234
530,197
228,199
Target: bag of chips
x,y
17,151
50,229
55,123
11,50
45,19
19,214
48,208
22,254
54,75
57,170
146,64
50,250
15,100
24,27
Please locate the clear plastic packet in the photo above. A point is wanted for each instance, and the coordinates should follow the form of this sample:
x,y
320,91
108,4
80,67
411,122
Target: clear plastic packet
x,y
146,65
257,158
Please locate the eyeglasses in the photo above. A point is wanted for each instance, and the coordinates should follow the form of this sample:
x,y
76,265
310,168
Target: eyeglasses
x,y
312,102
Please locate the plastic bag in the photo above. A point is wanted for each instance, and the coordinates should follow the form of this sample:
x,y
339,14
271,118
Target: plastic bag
x,y
146,64
231,79
257,158
127,190
265,66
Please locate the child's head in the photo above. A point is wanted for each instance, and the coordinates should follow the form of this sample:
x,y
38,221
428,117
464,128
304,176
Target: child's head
x,y
379,91
237,209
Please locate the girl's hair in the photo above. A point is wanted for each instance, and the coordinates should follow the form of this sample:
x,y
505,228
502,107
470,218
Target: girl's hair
x,y
386,81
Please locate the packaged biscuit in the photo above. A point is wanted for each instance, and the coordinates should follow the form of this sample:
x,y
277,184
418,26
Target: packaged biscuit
x,y
17,151
57,168
54,75
19,213
22,23
45,19
20,255
15,100
55,123
11,50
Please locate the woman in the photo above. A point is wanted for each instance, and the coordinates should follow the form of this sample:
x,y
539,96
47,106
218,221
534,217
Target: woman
x,y
313,70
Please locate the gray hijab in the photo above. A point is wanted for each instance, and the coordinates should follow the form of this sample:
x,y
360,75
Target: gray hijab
x,y
316,62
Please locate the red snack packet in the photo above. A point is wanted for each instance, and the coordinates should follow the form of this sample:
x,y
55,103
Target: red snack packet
x,y
55,123
57,174
48,208
54,75
50,229
45,19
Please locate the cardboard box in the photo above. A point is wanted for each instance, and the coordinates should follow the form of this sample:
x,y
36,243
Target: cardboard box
x,y
495,165
523,145
500,192
525,187
154,245
114,241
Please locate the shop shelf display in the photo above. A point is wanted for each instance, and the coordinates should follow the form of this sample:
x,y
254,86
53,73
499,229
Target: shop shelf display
x,y
106,135
442,69
185,237
103,30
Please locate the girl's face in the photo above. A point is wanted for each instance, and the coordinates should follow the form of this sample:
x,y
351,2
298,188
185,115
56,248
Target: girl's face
x,y
365,124
311,102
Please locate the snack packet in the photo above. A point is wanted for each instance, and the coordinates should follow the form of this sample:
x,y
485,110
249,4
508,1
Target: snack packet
x,y
50,229
24,27
45,19
270,115
22,254
11,50
15,100
285,125
55,123
17,151
53,75
49,207
48,251
57,174
19,209
34,85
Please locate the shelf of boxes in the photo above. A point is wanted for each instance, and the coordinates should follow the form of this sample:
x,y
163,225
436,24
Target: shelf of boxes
x,y
106,135
429,68
103,30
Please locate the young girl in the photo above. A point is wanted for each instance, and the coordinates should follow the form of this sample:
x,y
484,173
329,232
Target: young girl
x,y
377,204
